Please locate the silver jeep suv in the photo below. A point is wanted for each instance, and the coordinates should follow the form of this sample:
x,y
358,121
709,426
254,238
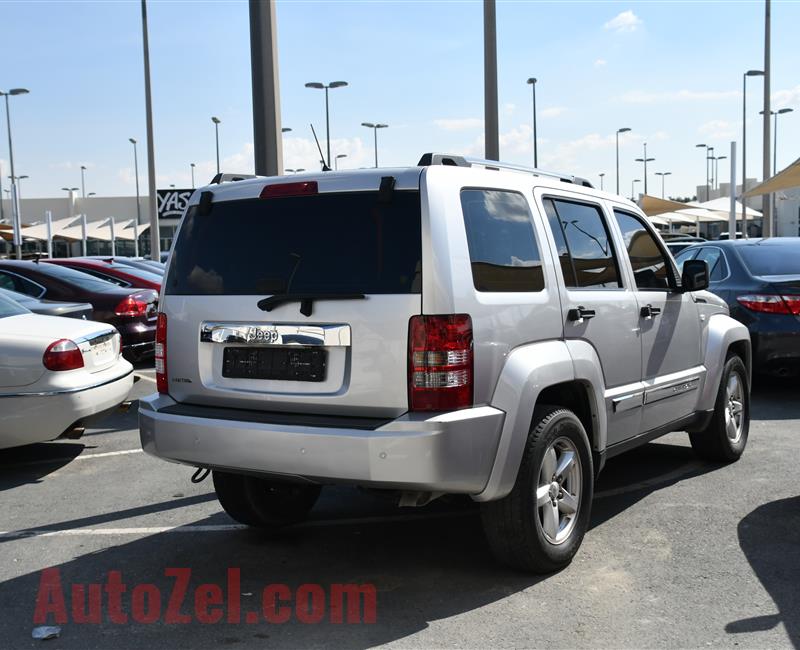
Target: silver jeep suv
x,y
458,327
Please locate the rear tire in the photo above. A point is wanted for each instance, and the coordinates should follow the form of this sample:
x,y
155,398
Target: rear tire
x,y
262,503
725,437
540,524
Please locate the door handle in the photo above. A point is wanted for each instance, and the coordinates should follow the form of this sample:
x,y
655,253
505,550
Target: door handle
x,y
648,311
579,314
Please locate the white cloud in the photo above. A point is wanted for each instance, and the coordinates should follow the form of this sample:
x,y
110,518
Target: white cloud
x,y
786,98
644,97
626,21
514,143
719,129
599,63
459,124
508,109
552,111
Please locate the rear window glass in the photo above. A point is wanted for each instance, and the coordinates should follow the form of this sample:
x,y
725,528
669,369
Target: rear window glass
x,y
780,259
502,245
71,276
10,307
327,243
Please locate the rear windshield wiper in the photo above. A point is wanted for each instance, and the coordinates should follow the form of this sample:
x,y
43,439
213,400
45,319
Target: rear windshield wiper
x,y
306,300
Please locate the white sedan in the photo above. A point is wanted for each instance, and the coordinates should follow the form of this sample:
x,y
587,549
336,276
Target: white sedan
x,y
56,374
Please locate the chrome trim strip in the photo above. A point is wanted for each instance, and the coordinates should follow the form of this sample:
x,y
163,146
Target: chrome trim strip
x,y
67,391
628,402
271,334
671,390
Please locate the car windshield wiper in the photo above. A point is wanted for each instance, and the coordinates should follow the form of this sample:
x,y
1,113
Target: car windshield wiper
x,y
306,300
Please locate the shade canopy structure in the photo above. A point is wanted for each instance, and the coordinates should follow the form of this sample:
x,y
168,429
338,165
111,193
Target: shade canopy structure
x,y
784,180
723,205
59,228
124,229
675,217
653,206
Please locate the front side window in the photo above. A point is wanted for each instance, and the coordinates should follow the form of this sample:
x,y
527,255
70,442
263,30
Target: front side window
x,y
651,269
584,246
502,246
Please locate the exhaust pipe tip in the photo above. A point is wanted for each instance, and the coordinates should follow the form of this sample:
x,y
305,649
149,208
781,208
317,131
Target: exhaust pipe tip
x,y
126,406
75,432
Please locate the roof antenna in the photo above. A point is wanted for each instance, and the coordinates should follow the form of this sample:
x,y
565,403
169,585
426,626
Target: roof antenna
x,y
325,167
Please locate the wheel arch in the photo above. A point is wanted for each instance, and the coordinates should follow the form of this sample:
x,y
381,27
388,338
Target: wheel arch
x,y
725,335
540,373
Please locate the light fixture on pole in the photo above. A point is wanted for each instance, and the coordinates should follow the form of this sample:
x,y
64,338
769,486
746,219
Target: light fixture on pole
x,y
749,73
336,160
375,128
326,87
602,174
17,222
286,129
138,206
623,130
216,122
633,190
532,82
92,194
191,166
644,161
663,176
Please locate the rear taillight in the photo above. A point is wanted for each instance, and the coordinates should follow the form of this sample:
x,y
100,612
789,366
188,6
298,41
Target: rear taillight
x,y
161,353
440,366
771,304
131,306
62,355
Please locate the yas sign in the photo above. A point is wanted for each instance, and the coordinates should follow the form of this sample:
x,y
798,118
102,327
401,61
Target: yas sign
x,y
172,203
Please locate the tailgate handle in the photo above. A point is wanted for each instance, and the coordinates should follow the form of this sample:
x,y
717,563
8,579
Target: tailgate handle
x,y
270,334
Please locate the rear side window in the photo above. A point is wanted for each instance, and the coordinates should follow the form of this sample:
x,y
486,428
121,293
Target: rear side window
x,y
584,245
717,265
321,244
502,245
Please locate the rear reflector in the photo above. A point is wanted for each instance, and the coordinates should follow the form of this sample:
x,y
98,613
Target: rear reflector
x,y
440,362
62,355
280,190
162,380
770,304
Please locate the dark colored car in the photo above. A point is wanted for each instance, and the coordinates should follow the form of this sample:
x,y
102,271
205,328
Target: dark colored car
x,y
46,307
119,274
760,281
136,262
132,311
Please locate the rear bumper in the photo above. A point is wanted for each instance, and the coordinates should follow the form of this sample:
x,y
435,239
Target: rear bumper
x,y
449,452
777,353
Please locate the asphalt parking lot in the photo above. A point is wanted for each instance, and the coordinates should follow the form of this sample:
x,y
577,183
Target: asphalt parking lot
x,y
680,553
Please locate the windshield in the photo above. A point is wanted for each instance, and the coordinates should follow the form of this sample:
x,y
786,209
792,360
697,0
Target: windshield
x,y
322,244
82,280
10,307
773,259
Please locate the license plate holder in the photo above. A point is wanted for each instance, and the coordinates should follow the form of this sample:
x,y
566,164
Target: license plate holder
x,y
293,363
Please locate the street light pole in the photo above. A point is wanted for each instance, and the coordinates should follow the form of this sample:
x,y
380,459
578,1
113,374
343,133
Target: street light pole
x,y
490,116
602,174
623,130
155,241
216,122
320,86
663,176
633,190
138,206
14,198
782,111
766,205
708,190
191,165
645,160
749,73
532,82
338,157
83,181
375,128
716,168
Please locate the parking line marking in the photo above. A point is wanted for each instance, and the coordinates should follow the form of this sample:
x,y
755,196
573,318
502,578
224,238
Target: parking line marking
x,y
51,461
216,528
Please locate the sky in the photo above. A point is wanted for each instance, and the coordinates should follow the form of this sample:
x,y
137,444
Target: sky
x,y
669,71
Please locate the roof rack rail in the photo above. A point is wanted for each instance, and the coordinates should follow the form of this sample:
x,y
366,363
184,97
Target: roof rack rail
x,y
225,178
462,161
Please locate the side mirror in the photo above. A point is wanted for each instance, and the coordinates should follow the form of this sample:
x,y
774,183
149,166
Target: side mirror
x,y
694,276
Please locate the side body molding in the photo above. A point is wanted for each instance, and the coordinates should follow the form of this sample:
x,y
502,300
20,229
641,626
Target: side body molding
x,y
528,370
722,331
